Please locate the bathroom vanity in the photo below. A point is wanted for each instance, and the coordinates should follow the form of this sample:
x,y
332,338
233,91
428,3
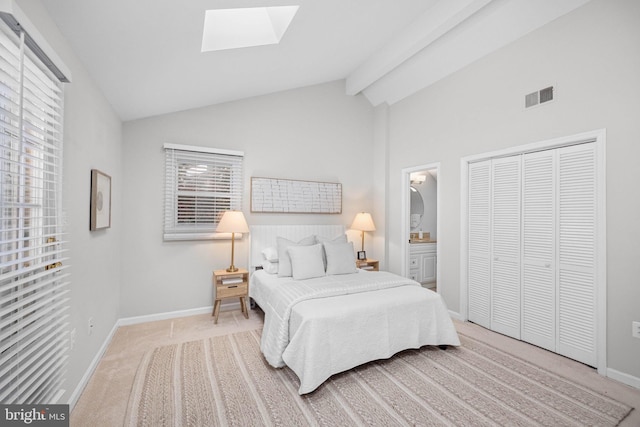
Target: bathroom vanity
x,y
422,263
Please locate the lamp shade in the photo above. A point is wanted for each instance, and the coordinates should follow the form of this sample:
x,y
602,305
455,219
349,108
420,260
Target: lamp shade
x,y
363,222
232,222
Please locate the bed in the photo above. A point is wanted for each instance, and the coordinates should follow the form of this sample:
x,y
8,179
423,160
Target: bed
x,y
324,316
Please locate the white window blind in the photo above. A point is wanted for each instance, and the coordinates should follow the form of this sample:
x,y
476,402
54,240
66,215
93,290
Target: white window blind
x,y
200,185
34,276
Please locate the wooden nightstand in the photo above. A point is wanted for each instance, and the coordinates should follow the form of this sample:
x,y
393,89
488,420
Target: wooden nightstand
x,y
368,264
230,285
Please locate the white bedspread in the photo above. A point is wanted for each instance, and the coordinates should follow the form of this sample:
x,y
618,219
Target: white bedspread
x,y
319,327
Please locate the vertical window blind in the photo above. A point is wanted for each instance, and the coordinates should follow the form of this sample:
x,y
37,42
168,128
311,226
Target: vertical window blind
x,y
200,185
34,299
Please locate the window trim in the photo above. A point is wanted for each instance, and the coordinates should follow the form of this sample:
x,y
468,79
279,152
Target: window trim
x,y
197,149
171,230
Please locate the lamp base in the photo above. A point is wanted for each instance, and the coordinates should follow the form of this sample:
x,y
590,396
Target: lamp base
x,y
232,269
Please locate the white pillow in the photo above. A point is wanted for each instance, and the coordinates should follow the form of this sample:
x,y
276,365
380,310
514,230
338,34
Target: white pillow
x,y
270,254
270,267
342,238
306,261
284,261
341,258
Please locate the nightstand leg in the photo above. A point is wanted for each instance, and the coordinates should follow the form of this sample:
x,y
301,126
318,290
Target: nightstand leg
x,y
216,311
243,305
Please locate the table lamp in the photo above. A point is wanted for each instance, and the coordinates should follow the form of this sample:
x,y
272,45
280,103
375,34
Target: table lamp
x,y
232,222
363,222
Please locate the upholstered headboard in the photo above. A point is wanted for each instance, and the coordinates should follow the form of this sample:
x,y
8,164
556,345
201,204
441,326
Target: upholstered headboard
x,y
264,236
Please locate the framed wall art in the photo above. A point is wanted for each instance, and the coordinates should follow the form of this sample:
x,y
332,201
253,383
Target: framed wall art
x,y
275,195
100,200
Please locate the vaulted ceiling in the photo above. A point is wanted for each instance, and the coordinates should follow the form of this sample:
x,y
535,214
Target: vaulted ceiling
x,y
146,57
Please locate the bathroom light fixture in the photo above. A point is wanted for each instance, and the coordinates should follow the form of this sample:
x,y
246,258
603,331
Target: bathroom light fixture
x,y
232,222
417,179
363,222
245,27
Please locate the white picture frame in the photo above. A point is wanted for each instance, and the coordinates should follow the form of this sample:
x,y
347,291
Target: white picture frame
x,y
100,200
275,195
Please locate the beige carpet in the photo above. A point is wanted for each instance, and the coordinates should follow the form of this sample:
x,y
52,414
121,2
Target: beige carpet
x,y
225,381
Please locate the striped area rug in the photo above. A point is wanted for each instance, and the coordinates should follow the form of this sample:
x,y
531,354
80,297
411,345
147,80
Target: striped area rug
x,y
224,381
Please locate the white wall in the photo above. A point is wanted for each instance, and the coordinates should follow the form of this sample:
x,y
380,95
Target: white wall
x,y
592,57
92,139
380,177
315,133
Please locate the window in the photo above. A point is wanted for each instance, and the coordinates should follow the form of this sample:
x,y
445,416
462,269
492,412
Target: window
x,y
200,185
34,299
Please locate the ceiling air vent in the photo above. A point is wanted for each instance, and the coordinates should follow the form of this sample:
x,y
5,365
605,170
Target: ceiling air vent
x,y
538,97
531,99
546,94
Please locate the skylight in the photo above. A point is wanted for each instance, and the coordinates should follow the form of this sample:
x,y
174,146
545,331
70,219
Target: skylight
x,y
245,27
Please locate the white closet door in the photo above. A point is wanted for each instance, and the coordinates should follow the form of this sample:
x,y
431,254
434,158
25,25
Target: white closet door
x,y
577,214
479,279
505,245
539,249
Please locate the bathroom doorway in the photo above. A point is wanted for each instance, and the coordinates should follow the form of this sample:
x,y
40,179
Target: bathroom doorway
x,y
420,224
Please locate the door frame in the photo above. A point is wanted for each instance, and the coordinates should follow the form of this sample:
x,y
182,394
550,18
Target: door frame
x,y
405,224
598,137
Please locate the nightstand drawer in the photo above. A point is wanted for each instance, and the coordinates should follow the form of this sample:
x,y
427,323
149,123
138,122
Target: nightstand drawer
x,y
234,290
230,284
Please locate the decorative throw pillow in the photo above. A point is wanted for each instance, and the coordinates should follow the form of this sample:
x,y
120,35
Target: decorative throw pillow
x,y
270,254
342,238
341,258
270,267
284,261
306,261
321,239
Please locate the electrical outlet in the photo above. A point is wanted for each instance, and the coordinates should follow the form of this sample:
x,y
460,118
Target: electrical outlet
x,y
90,325
635,329
72,339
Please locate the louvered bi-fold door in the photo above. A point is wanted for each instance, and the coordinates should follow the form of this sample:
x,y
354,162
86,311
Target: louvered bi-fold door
x,y
539,249
479,279
505,246
532,248
577,232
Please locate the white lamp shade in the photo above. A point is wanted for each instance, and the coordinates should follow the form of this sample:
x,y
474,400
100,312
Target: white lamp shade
x,y
232,222
363,222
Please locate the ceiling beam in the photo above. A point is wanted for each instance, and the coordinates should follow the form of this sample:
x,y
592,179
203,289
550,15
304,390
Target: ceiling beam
x,y
424,30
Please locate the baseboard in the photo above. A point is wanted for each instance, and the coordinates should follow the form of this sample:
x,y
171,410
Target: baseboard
x,y
173,314
73,399
125,321
623,378
456,316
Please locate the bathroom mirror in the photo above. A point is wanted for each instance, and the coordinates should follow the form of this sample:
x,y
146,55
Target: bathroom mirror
x,y
417,208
